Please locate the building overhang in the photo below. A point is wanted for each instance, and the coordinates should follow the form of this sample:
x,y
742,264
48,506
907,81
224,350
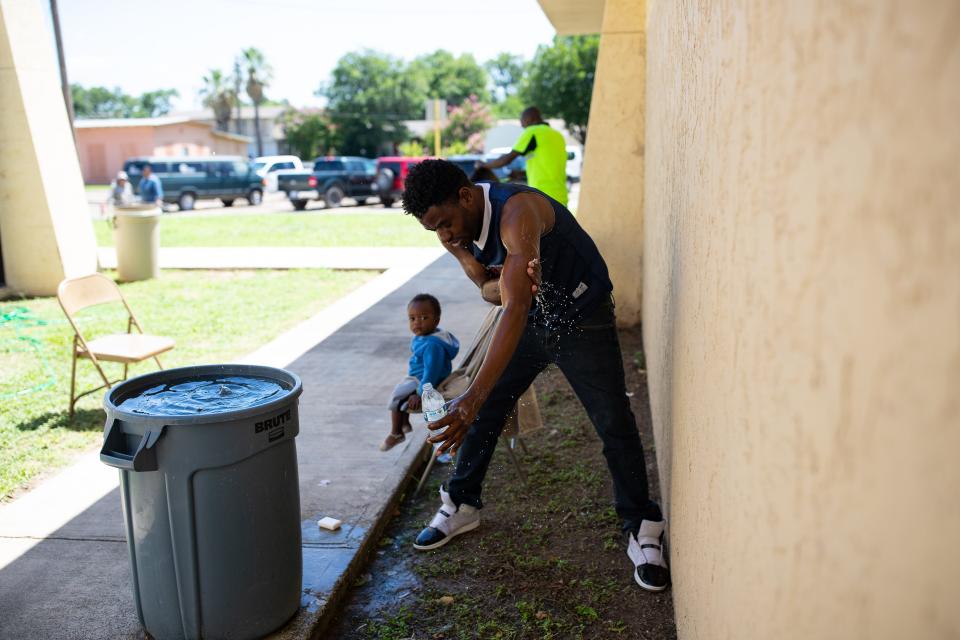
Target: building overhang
x,y
574,17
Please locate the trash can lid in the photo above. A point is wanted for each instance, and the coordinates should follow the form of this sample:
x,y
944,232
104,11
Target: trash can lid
x,y
207,393
137,210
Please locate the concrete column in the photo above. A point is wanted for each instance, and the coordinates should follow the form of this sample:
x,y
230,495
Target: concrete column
x,y
45,228
611,196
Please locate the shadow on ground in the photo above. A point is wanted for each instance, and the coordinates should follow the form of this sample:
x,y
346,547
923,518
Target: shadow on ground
x,y
83,420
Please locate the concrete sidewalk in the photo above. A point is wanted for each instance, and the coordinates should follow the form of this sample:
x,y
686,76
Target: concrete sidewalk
x,y
64,569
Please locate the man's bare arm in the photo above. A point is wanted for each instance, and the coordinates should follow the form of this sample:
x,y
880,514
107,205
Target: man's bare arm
x,y
521,227
502,161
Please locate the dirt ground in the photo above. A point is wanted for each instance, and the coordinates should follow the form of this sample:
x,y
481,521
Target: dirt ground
x,y
548,560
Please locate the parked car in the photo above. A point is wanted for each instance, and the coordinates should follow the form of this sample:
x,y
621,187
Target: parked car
x,y
332,179
188,179
516,171
391,174
268,167
574,163
467,162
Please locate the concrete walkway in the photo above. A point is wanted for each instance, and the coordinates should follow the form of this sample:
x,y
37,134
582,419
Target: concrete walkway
x,y
64,567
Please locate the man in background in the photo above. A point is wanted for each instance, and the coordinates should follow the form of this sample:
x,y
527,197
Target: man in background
x,y
150,188
546,154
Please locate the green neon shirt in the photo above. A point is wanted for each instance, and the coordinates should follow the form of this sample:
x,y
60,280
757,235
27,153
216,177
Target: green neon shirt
x,y
546,154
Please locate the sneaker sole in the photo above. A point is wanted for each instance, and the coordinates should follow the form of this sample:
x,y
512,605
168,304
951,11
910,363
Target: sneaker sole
x,y
644,585
436,545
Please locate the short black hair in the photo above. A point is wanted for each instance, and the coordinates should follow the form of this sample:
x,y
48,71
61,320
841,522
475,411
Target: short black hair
x,y
426,297
430,183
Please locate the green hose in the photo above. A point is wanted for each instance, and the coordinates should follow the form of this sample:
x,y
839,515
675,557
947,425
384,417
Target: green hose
x,y
21,319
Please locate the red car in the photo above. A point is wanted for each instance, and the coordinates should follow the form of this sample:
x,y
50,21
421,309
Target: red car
x,y
391,173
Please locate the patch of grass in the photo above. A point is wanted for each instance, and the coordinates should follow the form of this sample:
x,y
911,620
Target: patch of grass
x,y
214,316
321,229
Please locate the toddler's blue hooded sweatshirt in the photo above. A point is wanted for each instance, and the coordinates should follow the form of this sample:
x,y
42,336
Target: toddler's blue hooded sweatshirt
x,y
432,358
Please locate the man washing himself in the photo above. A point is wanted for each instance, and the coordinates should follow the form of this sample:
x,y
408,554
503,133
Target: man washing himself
x,y
570,323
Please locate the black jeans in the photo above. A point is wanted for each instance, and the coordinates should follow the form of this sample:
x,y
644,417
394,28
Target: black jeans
x,y
588,354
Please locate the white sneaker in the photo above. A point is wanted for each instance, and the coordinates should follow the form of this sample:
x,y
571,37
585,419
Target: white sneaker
x,y
448,523
645,549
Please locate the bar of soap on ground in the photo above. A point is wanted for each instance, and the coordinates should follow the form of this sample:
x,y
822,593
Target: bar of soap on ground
x,y
328,523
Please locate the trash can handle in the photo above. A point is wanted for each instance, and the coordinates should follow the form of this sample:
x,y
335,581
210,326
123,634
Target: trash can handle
x,y
116,450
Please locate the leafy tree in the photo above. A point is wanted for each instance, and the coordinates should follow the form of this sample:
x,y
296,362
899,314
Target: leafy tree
x,y
450,78
217,94
560,80
156,103
101,102
467,123
506,72
369,96
259,74
308,133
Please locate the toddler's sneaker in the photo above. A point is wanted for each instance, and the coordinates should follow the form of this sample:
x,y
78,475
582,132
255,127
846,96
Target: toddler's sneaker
x,y
448,523
645,549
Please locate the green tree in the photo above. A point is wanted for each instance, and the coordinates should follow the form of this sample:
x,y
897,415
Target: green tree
x,y
560,80
369,96
467,123
100,102
450,78
259,75
217,94
506,73
308,133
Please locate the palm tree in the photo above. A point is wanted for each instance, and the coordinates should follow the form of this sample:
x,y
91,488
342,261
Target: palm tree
x,y
259,75
218,95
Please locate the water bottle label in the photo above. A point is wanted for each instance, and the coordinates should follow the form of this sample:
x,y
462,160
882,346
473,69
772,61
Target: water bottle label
x,y
432,415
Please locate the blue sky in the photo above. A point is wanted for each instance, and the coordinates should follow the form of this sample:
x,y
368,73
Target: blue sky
x,y
141,46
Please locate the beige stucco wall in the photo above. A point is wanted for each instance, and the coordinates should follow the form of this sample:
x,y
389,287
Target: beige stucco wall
x,y
45,228
611,192
802,314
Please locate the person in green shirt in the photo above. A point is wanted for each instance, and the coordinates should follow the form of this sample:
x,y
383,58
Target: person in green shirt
x,y
546,153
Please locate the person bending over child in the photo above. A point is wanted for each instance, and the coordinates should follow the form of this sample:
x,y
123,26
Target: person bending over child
x,y
432,353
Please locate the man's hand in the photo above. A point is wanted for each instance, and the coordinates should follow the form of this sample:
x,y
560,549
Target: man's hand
x,y
534,271
461,412
413,402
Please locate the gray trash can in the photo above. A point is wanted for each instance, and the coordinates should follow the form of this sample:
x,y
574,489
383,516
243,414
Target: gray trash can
x,y
136,235
211,503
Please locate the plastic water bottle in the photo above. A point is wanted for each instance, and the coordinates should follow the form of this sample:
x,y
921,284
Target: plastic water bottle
x,y
432,403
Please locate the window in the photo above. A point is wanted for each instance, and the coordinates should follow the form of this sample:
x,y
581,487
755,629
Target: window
x,y
239,168
328,165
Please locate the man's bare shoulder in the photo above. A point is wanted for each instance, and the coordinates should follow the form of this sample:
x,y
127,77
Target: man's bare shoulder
x,y
526,208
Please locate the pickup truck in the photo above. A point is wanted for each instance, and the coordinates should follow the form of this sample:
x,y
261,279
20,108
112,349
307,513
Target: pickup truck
x,y
331,180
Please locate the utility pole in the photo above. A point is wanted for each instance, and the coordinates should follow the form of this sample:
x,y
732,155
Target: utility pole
x,y
64,82
436,127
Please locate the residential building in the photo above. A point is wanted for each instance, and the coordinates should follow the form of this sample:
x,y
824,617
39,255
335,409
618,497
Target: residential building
x,y
104,145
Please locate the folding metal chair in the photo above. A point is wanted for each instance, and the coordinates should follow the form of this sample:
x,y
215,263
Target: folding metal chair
x,y
76,294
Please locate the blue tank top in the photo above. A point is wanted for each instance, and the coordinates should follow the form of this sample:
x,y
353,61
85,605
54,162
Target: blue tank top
x,y
574,276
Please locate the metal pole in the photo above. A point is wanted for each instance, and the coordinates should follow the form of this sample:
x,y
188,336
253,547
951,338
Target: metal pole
x,y
64,83
436,127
